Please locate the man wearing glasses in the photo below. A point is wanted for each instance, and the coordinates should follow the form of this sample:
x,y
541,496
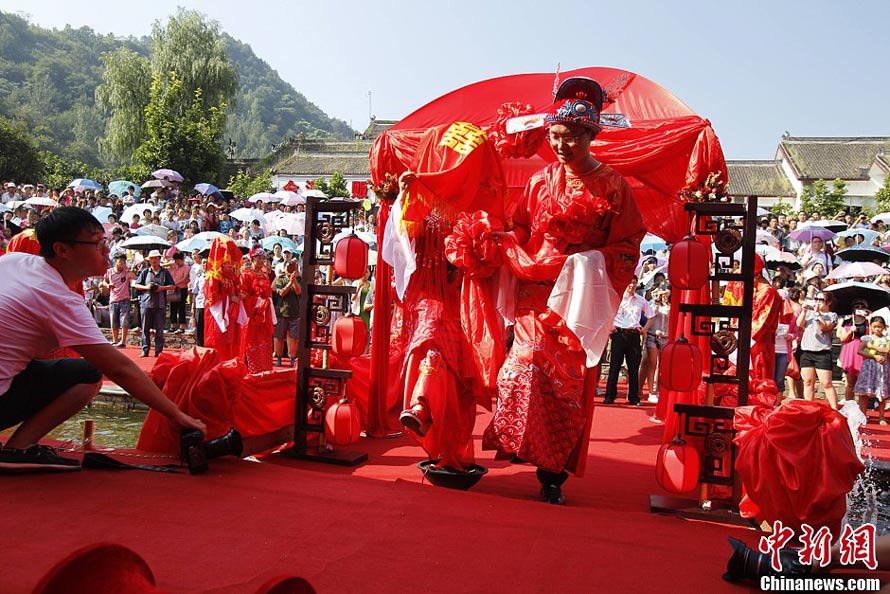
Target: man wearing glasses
x,y
39,313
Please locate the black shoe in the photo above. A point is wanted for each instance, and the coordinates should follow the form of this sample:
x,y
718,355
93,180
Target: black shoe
x,y
608,401
514,459
37,458
552,494
636,402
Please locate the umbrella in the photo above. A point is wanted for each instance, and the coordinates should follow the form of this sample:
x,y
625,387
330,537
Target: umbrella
x,y
652,242
120,187
778,258
139,208
249,214
809,232
41,201
868,236
863,253
290,198
85,184
762,212
831,225
844,293
856,270
200,242
292,222
262,196
101,213
14,204
156,230
156,183
883,217
207,189
145,243
286,244
167,174
315,194
766,237
4,208
368,238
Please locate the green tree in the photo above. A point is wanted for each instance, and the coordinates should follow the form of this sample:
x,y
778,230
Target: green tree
x,y
59,171
335,188
819,198
882,196
245,185
19,157
124,94
183,136
781,208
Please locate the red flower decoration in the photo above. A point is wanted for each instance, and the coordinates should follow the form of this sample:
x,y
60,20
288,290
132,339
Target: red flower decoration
x,y
571,222
520,145
471,246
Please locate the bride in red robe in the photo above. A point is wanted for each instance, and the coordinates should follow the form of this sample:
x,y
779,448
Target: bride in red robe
x,y
256,295
575,238
222,330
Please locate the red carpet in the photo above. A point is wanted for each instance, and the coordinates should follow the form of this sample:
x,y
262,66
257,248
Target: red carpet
x,y
376,528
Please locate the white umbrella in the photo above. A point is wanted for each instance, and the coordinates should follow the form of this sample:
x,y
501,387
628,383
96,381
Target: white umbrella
x,y
368,238
831,225
289,198
247,215
766,236
262,196
41,201
156,230
156,183
145,242
101,213
139,208
167,174
292,222
315,194
856,270
883,217
4,208
14,204
868,236
199,242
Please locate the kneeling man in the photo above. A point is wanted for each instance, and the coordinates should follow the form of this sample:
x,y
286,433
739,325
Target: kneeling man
x,y
39,313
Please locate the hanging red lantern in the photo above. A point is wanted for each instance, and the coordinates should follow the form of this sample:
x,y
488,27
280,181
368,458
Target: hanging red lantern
x,y
349,336
679,366
351,257
689,265
677,466
343,423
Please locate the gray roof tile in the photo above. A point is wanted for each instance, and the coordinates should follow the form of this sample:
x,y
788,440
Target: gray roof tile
x,y
757,178
832,158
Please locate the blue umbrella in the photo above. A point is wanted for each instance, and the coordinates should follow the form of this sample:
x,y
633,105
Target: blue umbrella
x,y
207,189
85,184
286,244
120,187
652,242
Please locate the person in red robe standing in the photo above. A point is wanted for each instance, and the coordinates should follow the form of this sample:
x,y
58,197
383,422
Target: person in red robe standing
x,y
573,248
256,295
223,300
766,311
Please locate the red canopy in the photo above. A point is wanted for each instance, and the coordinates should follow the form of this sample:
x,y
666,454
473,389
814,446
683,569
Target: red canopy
x,y
666,147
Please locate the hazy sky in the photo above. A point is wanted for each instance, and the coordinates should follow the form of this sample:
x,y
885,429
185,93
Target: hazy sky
x,y
754,68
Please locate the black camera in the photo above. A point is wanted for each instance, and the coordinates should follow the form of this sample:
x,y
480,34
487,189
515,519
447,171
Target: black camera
x,y
153,287
748,564
196,452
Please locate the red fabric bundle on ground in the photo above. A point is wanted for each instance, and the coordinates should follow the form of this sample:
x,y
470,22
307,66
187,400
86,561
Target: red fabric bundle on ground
x,y
220,393
797,463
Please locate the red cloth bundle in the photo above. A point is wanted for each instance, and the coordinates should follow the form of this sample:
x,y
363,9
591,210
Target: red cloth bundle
x,y
521,145
797,463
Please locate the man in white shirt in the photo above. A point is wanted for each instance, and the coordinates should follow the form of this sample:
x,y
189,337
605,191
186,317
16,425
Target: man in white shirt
x,y
39,313
11,193
626,343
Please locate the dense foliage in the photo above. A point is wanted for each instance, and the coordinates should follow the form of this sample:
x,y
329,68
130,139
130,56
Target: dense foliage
x,y
246,185
19,158
826,201
48,82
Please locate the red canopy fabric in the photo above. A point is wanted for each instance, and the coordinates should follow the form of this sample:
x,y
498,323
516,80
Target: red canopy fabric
x,y
666,147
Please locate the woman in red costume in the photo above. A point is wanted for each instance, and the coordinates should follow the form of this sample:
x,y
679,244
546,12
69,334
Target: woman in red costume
x,y
223,300
575,238
765,314
256,295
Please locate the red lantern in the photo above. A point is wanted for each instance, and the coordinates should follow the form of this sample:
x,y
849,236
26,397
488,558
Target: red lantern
x,y
689,265
679,367
351,257
349,336
677,466
343,423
